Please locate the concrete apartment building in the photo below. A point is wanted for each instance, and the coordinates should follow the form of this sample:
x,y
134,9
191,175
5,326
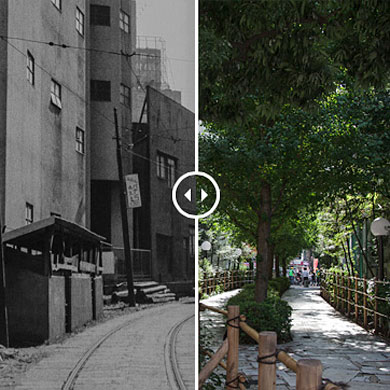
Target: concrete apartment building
x,y
43,115
64,66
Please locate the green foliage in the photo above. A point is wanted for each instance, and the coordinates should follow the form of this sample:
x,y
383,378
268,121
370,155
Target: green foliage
x,y
273,314
280,285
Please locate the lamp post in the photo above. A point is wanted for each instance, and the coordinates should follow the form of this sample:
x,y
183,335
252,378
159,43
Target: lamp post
x,y
380,227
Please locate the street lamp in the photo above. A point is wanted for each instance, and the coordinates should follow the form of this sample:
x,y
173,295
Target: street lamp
x,y
380,227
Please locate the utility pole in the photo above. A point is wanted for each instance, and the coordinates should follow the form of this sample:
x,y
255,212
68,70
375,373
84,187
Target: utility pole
x,y
125,225
4,335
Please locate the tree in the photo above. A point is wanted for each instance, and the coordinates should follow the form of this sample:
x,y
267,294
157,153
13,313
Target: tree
x,y
257,62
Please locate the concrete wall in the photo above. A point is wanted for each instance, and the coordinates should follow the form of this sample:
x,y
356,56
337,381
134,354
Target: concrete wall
x,y
27,306
43,167
81,300
117,70
56,307
169,119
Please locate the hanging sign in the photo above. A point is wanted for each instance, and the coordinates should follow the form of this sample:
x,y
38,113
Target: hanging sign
x,y
133,192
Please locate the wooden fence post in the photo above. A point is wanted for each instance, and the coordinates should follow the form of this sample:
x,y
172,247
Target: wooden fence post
x,y
309,374
337,291
376,306
224,281
365,320
349,296
356,299
267,352
233,335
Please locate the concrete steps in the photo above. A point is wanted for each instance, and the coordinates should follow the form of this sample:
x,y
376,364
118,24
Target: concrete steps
x,y
145,292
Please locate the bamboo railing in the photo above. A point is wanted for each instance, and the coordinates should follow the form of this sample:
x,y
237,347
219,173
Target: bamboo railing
x,y
365,301
225,281
308,371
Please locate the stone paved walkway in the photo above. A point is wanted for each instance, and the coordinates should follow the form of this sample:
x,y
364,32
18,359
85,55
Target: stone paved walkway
x,y
348,353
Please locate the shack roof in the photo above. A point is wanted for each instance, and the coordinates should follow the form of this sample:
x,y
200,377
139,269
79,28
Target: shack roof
x,y
30,235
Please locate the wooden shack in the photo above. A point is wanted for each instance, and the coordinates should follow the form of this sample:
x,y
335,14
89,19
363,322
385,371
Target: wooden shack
x,y
54,283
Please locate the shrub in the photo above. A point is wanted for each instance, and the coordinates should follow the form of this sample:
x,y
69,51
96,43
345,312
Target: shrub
x,y
273,314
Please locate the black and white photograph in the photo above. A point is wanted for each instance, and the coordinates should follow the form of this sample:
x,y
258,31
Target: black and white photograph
x,y
97,123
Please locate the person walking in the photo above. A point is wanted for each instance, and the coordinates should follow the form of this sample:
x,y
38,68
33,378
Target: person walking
x,y
305,276
291,275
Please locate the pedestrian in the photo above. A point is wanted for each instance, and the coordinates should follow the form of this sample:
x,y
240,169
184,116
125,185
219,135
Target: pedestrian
x,y
291,275
305,275
318,277
298,277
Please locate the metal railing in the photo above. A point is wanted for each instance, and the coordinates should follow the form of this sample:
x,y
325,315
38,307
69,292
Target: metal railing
x,y
142,262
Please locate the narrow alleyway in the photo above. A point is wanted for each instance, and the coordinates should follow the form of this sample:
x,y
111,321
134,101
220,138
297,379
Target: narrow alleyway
x,y
348,353
146,349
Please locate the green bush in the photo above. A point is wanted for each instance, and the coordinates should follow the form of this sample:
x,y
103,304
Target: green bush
x,y
280,285
273,314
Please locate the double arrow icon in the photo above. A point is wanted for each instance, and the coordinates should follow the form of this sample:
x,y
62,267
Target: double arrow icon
x,y
203,195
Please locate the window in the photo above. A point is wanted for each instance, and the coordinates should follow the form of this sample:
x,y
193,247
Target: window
x,y
166,168
55,93
80,140
79,21
57,3
125,95
161,166
30,68
171,164
124,21
101,90
29,213
100,15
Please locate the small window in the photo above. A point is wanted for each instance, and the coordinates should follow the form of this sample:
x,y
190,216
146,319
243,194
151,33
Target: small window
x,y
100,15
79,21
166,168
171,165
29,213
161,166
30,68
101,90
124,21
125,95
57,3
80,140
55,93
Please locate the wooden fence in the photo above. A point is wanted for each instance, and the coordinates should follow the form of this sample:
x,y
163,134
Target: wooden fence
x,y
366,301
225,281
308,371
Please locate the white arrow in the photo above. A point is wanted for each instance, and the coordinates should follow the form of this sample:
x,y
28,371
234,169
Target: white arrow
x,y
188,195
203,195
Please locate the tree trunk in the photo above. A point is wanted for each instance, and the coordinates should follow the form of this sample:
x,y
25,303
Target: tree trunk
x,y
263,250
277,264
284,265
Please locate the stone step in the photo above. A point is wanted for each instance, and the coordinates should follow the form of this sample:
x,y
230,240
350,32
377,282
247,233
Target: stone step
x,y
145,284
160,298
155,289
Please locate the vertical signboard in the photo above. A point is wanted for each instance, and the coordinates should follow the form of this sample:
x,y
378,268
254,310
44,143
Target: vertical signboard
x,y
133,192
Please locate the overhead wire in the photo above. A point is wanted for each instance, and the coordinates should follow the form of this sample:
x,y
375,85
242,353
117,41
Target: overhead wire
x,y
82,99
72,91
111,52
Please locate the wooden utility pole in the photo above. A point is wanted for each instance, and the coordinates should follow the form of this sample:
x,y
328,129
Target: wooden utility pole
x,y
4,335
125,224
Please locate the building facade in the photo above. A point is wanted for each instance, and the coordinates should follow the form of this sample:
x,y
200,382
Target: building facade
x,y
163,151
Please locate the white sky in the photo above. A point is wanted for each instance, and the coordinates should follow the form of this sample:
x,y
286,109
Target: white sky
x,y
174,21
